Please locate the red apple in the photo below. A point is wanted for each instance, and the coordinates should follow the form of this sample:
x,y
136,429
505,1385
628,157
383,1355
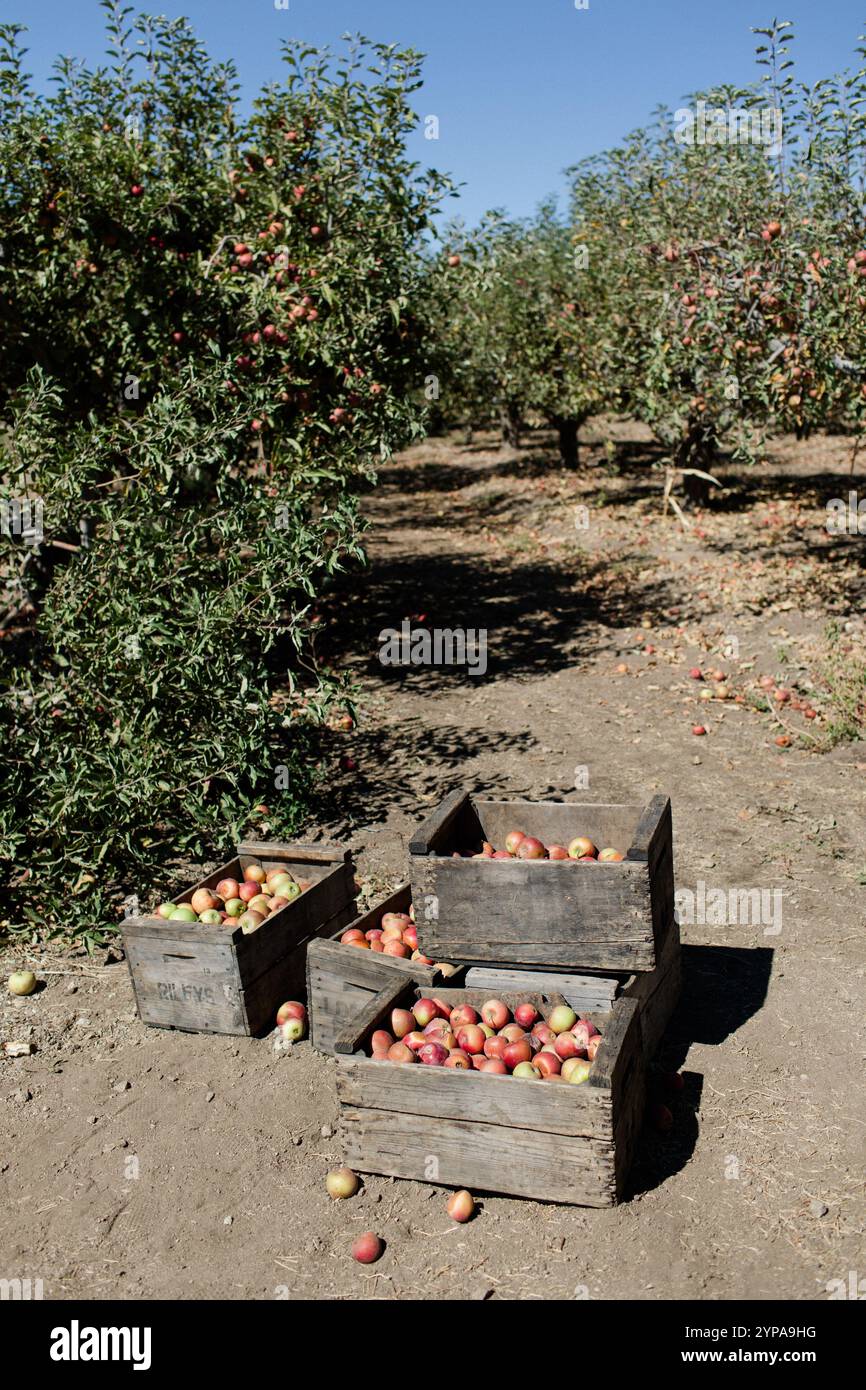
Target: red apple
x,y
396,919
416,1040
436,1027
203,900
462,1015
495,1047
392,933
491,1064
460,1206
292,1010
366,1249
592,1047
254,873
610,856
502,854
375,934
249,922
582,848
376,945
248,890
396,948
525,1015
583,1031
410,938
433,1054
470,1038
547,1064
227,888
517,1052
566,1046
424,1011
530,848
382,1040
461,1060
557,852
513,841
402,1022
277,904
512,1032
444,1010
544,1031
495,1014
260,903
399,1052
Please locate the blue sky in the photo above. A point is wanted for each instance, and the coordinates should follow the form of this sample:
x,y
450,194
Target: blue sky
x,y
522,88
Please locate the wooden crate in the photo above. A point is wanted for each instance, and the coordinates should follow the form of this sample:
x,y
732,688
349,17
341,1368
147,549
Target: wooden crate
x,y
541,1139
210,979
555,914
655,991
343,981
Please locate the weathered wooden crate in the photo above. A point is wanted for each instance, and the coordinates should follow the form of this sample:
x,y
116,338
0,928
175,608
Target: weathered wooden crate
x,y
343,982
655,991
211,979
555,914
543,1139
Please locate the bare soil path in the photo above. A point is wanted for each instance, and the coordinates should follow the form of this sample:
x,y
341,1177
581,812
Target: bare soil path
x,y
137,1163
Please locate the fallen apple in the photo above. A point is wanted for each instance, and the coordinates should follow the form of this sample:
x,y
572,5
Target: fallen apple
x,y
22,982
293,1030
366,1249
460,1206
291,1009
342,1183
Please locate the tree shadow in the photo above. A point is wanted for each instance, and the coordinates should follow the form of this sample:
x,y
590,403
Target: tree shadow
x,y
723,987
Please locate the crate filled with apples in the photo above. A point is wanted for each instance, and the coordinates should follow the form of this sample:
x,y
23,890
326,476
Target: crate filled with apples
x,y
348,970
519,1094
221,956
545,885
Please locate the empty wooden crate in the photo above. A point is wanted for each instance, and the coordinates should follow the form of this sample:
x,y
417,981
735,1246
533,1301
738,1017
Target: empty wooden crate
x,y
216,979
549,1140
553,914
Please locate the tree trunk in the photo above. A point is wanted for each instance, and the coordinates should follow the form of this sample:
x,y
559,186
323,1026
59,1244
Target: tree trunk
x,y
511,424
567,441
693,452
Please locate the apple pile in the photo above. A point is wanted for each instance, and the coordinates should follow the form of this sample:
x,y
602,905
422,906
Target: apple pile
x,y
246,904
396,935
492,1039
518,845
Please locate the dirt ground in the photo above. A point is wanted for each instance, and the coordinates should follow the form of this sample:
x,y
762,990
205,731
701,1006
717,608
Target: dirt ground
x,y
137,1163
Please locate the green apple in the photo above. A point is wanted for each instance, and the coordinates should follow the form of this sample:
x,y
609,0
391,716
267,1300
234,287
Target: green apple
x,y
22,982
211,917
235,906
166,909
183,914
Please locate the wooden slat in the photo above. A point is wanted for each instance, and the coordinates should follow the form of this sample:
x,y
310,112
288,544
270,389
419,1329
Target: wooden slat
x,y
370,1015
429,836
580,991
298,850
482,1157
653,826
411,1088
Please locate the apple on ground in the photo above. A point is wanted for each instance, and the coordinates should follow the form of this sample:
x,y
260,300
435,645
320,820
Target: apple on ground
x,y
342,1183
293,1030
292,1009
366,1249
460,1206
22,982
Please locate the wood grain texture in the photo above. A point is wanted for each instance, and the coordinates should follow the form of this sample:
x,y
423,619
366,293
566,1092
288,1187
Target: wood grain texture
x,y
580,991
555,914
435,830
482,1157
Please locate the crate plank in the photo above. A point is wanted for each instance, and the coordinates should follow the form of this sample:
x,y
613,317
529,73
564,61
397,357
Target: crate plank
x,y
483,1157
580,991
